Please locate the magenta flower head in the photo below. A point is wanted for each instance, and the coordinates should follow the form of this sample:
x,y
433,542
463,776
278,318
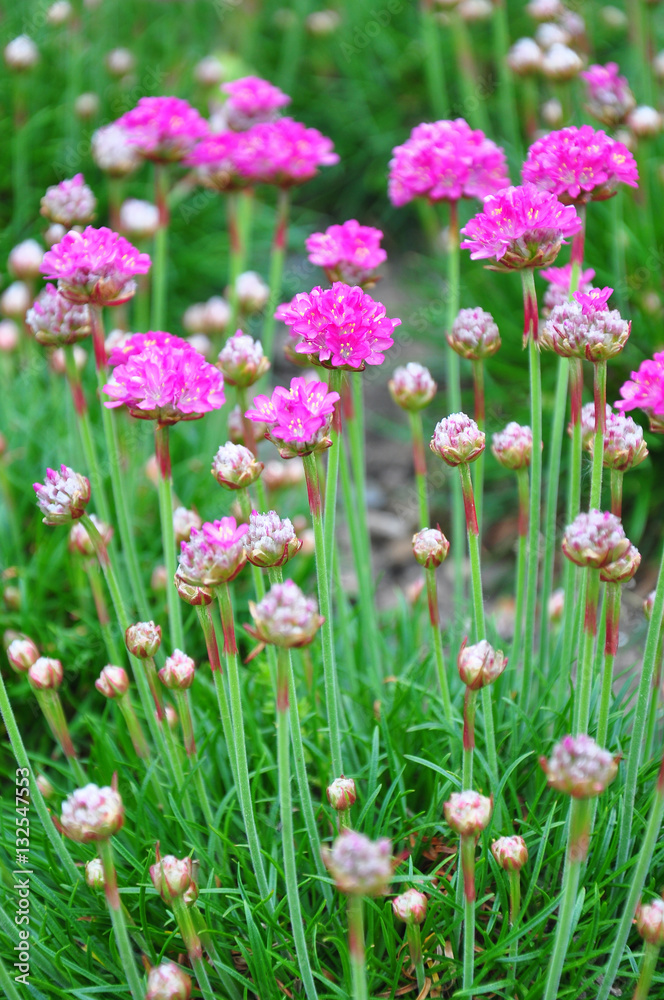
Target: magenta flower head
x,y
457,439
430,547
412,387
242,361
214,160
63,496
170,876
143,639
55,321
283,152
178,671
235,467
624,568
511,853
298,418
91,814
22,652
645,391
163,128
342,794
410,906
520,227
71,203
595,539
474,334
480,664
252,100
340,327
167,981
112,682
285,617
167,383
624,447
445,161
96,266
579,767
513,447
349,252
609,98
45,674
215,554
468,813
270,540
581,164
650,921
359,866
557,294
586,327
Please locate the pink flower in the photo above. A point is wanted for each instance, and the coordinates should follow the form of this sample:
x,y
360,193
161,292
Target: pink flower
x,y
214,159
580,164
70,202
282,152
520,227
55,320
609,96
139,342
96,266
342,326
349,252
251,100
586,328
446,160
298,418
557,294
63,496
645,391
215,554
594,300
166,382
163,128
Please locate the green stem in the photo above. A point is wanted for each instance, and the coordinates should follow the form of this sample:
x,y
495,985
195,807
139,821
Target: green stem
x,y
420,466
599,384
414,938
616,491
514,879
277,257
570,570
454,406
160,255
51,706
478,464
97,588
118,920
336,384
506,97
612,605
193,945
239,207
87,439
434,64
356,946
530,298
650,956
327,635
437,642
585,675
467,851
517,641
165,488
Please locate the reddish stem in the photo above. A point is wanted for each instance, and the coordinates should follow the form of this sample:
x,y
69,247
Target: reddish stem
x,y
469,503
432,595
162,451
313,491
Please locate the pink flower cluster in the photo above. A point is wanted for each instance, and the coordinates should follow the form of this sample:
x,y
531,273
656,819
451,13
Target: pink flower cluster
x,y
251,100
55,320
215,554
342,326
163,128
609,96
139,342
165,380
645,391
214,160
446,160
96,266
557,294
298,418
70,202
349,252
520,227
580,164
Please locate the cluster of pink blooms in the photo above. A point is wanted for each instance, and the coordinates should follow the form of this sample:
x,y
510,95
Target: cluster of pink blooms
x,y
349,252
579,767
251,100
340,326
520,227
96,266
586,327
214,554
645,391
559,278
298,418
70,202
608,93
446,160
63,496
596,539
165,381
163,129
55,320
285,616
580,164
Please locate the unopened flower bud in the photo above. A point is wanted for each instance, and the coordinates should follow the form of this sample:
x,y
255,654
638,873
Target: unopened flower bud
x,y
556,605
285,617
63,496
25,260
15,300
9,335
54,233
45,674
561,62
548,34
45,786
511,853
342,794
513,447
622,569
143,639
167,981
650,921
648,604
270,540
191,594
11,595
410,906
119,62
474,334
170,876
579,767
86,106
595,539
242,360
113,681
113,152
172,720
412,387
22,653
624,447
208,71
430,547
545,10
139,219
480,664
92,814
21,54
645,122
525,57
457,439
94,874
183,521
359,866
71,202
59,12
252,292
235,467
178,671
552,112
468,813
79,540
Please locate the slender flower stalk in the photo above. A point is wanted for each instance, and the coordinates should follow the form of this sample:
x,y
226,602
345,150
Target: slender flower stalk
x,y
97,587
165,487
356,947
85,430
599,388
454,404
336,384
160,256
430,548
613,575
434,63
193,945
420,466
118,919
276,270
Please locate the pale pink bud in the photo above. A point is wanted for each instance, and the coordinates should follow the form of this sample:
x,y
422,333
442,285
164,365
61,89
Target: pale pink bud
x,y
457,439
86,106
59,13
645,122
79,540
159,578
113,152
172,720
525,57
595,539
252,292
561,63
480,664
92,814
194,318
11,595
624,447
139,219
468,813
650,921
552,112
511,853
556,605
170,876
183,521
54,233
25,260
178,671
45,674
359,866
474,11
410,906
513,447
15,300
342,794
45,786
412,387
622,569
321,23
167,981
94,874
196,596
21,54
22,653
208,71
113,681
71,202
235,467
119,62
9,335
270,540
430,547
202,344
474,334
143,639
242,360
285,617
190,895
63,496
549,34
648,604
545,10
579,767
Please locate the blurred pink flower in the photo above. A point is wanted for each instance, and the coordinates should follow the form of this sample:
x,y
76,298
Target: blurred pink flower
x,y
580,164
608,93
282,152
163,128
251,100
645,391
214,554
214,159
559,280
348,252
96,266
55,320
71,202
